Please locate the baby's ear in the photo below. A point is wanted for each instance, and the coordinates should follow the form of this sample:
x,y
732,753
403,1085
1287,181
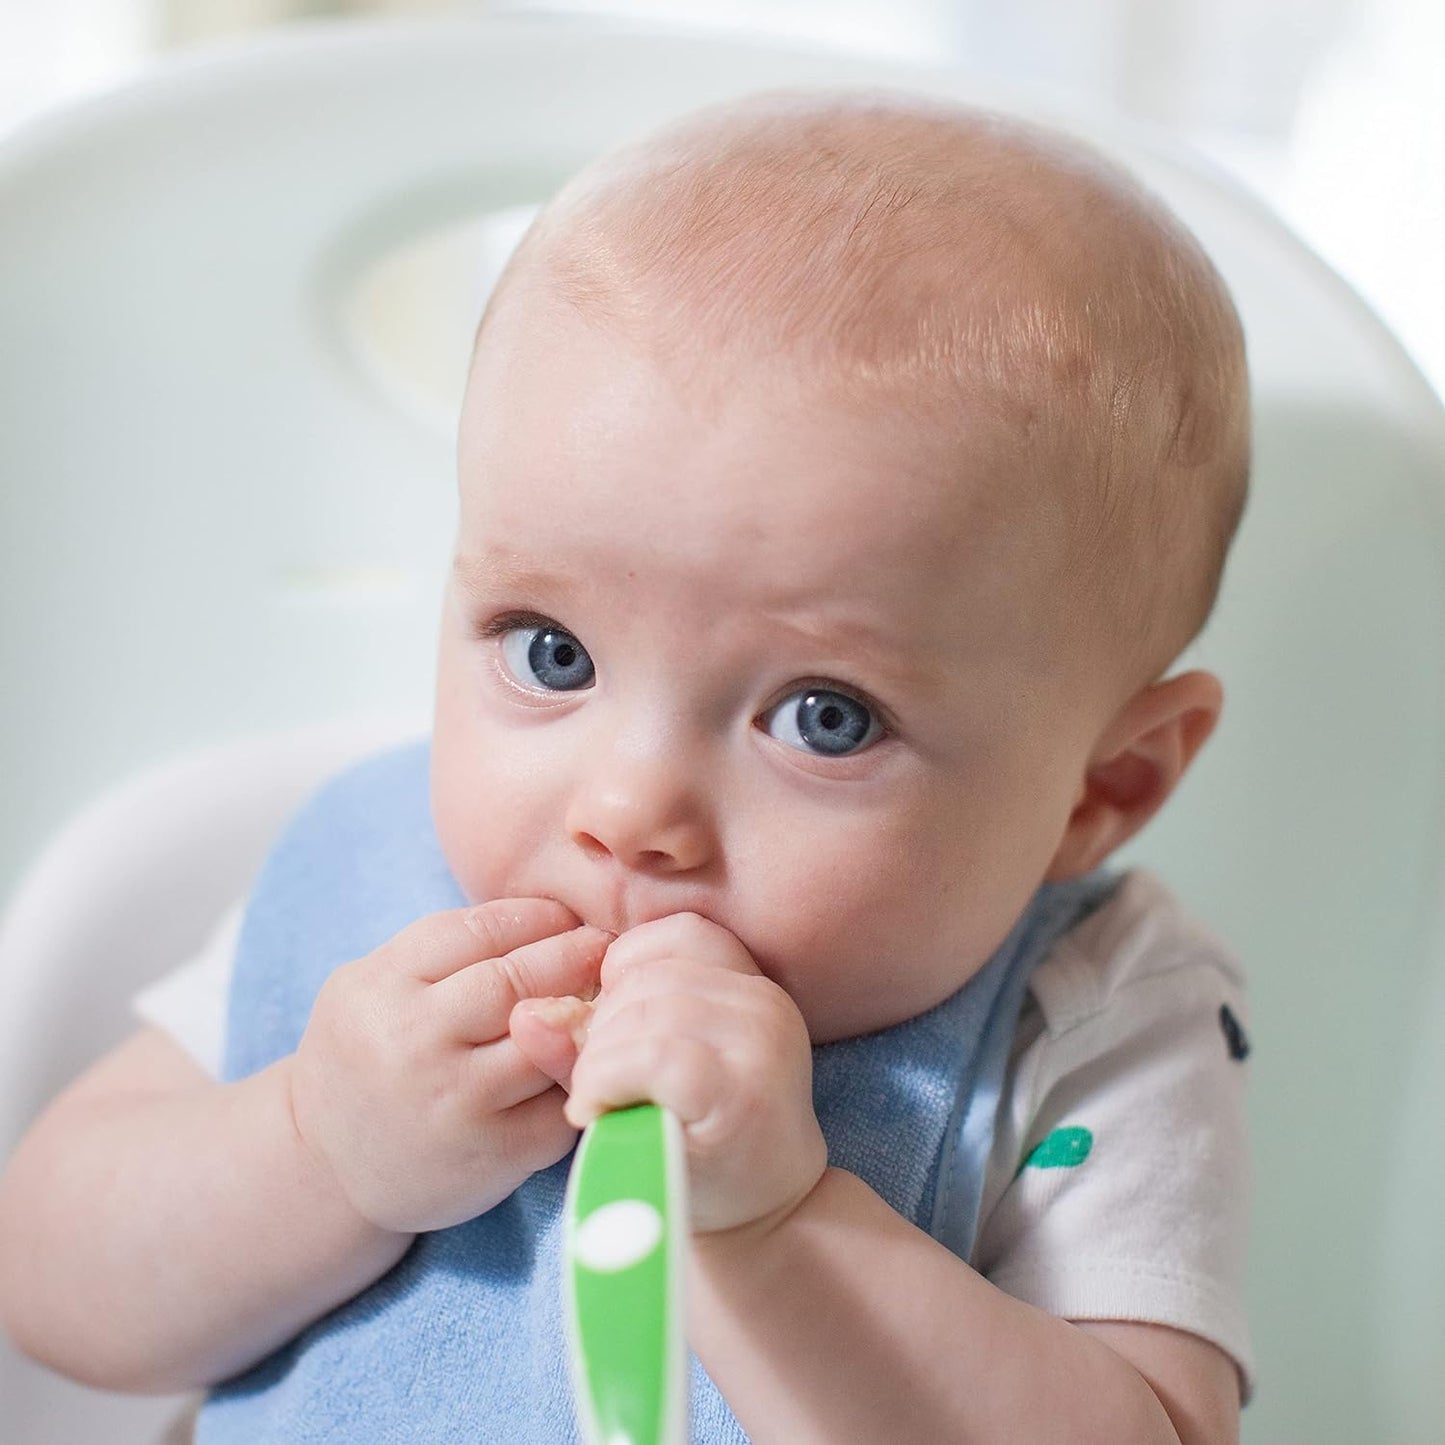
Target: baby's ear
x,y
1138,762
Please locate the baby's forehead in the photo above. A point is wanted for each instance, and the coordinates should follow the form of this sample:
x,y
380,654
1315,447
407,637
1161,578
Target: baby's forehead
x,y
953,268
772,481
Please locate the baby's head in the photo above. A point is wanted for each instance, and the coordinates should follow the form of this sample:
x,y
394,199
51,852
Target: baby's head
x,y
838,478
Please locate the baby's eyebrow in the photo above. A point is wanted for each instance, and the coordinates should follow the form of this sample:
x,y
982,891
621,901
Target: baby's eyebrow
x,y
497,570
885,656
471,573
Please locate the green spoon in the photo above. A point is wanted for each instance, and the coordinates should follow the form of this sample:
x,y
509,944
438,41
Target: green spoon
x,y
624,1229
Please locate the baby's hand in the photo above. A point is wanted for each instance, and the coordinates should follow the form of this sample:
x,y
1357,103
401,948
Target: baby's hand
x,y
686,1019
406,1083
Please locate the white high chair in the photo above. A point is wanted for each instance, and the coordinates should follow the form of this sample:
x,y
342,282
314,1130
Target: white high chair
x,y
221,517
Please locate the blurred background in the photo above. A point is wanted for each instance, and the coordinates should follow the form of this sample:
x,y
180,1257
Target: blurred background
x,y
1331,109
123,642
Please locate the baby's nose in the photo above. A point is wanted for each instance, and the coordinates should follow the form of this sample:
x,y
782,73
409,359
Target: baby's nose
x,y
645,813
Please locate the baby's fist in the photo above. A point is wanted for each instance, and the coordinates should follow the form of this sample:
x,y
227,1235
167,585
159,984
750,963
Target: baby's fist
x,y
686,1019
406,1085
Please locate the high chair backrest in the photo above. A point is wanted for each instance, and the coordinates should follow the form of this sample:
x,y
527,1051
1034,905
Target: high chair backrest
x,y
220,515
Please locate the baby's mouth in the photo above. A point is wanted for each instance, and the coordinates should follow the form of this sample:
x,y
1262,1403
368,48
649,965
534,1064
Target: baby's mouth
x,y
625,910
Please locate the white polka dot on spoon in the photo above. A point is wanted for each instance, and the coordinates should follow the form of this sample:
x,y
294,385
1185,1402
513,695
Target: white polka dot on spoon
x,y
617,1236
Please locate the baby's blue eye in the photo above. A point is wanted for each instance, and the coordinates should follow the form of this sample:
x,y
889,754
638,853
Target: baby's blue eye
x,y
817,720
547,657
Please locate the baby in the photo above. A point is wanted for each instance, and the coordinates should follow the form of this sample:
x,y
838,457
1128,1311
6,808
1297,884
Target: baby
x,y
839,477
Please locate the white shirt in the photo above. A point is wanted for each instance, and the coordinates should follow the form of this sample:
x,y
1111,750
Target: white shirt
x,y
1118,1185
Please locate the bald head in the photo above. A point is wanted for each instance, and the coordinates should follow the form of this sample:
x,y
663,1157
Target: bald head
x,y
961,267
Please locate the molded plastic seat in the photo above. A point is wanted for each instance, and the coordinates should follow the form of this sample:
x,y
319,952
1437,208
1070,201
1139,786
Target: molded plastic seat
x,y
219,519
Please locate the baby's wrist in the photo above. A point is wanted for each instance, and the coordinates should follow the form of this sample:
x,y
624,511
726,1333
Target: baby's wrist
x,y
323,1181
749,1236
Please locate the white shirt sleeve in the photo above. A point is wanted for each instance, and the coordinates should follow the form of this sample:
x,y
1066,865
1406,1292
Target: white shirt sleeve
x,y
189,1003
1118,1187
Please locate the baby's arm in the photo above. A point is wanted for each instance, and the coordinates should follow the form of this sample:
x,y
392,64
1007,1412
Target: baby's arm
x,y
930,1349
159,1231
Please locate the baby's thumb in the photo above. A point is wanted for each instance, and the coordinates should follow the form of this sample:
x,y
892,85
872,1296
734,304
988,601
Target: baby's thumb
x,y
550,1033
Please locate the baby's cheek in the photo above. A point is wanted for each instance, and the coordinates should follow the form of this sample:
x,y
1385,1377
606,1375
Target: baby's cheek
x,y
479,850
829,935
880,928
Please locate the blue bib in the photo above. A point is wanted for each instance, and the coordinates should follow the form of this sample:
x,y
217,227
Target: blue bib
x,y
462,1340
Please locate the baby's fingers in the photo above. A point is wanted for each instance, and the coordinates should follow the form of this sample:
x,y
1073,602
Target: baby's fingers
x,y
683,1074
501,1075
435,947
533,1134
677,936
550,1032
479,1001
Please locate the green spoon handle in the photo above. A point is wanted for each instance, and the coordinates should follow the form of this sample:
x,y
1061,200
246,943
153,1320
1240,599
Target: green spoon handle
x,y
624,1232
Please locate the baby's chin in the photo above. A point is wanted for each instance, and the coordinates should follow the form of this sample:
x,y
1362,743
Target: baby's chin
x,y
837,1013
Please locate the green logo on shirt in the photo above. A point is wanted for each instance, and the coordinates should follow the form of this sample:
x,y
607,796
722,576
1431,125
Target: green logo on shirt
x,y
1063,1149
